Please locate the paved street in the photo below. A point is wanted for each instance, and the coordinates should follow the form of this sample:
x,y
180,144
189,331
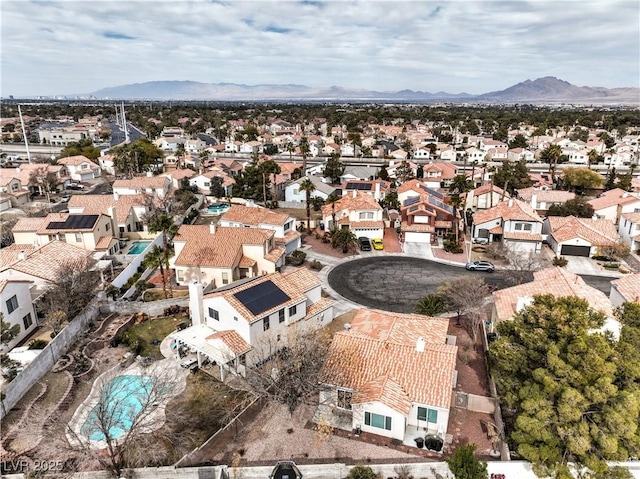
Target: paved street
x,y
396,283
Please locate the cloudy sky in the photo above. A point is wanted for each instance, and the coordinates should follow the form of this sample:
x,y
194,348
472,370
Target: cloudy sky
x,y
79,46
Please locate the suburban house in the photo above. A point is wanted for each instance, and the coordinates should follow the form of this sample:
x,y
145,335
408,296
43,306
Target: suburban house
x,y
629,230
571,236
437,175
90,232
376,188
16,306
484,197
517,154
358,211
254,216
358,173
625,289
204,180
513,222
611,204
390,374
178,176
215,255
80,168
556,281
293,193
541,199
11,186
244,325
151,185
425,215
126,212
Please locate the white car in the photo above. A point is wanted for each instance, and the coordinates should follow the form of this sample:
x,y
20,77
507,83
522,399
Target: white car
x,y
189,362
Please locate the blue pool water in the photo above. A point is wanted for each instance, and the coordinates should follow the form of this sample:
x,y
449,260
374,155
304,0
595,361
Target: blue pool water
x,y
122,397
218,208
138,247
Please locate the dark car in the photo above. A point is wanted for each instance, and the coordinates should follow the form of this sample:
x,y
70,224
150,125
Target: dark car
x,y
480,266
365,244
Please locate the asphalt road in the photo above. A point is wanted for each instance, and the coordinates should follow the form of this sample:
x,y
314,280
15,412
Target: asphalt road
x,y
397,283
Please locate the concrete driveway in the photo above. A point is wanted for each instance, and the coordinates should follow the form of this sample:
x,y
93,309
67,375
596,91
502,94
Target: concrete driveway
x,y
587,266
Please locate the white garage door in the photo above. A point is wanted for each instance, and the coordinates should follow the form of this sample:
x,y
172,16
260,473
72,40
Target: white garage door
x,y
413,237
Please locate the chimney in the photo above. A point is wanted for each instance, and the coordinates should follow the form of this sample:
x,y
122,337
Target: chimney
x,y
534,201
420,344
510,202
116,196
212,228
377,190
111,211
149,174
22,256
196,308
354,193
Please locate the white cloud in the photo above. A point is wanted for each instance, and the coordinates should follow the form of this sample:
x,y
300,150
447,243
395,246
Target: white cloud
x,y
66,47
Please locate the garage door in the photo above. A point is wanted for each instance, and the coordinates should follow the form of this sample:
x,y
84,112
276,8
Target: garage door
x,y
568,250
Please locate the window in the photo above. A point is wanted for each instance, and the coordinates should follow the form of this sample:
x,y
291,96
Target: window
x,y
265,323
12,304
78,237
377,420
243,359
344,399
107,226
225,278
180,275
293,309
426,414
235,318
287,226
523,226
27,321
281,315
214,314
366,215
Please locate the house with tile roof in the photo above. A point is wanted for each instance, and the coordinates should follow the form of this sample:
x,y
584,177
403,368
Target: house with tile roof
x,y
219,255
242,326
203,181
359,212
484,197
16,306
376,188
11,185
89,232
512,222
81,168
542,199
611,204
559,282
439,174
629,230
625,289
571,236
254,216
425,216
151,185
390,374
292,192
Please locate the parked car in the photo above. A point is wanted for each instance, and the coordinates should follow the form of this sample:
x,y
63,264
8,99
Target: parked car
x,y
480,266
65,199
76,186
365,244
187,363
377,243
480,240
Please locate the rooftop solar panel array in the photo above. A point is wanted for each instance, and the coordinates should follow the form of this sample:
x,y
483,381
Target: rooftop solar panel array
x,y
74,222
359,186
410,201
261,297
441,205
435,193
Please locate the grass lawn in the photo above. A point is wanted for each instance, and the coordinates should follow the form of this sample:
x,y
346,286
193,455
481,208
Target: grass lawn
x,y
147,331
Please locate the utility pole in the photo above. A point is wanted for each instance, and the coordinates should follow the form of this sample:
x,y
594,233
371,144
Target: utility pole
x,y
124,126
24,134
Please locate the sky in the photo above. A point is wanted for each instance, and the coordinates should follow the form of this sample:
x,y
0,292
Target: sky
x,y
68,47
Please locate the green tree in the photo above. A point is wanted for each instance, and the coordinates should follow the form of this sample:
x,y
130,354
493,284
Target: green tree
x,y
157,259
383,174
578,207
559,381
361,472
404,172
308,187
420,172
431,305
334,168
217,189
8,331
136,157
518,141
331,200
465,465
514,175
460,184
579,179
163,223
551,154
612,178
267,167
391,201
304,151
83,147
344,239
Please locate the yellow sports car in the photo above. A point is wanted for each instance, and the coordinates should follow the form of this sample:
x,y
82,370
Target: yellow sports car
x,y
377,243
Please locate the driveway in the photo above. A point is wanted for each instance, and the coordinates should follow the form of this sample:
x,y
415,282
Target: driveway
x,y
396,283
586,266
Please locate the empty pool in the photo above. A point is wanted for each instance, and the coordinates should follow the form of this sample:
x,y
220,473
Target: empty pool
x,y
218,208
138,247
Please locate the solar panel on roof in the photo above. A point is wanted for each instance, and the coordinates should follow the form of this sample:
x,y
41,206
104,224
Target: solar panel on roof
x,y
414,208
440,205
261,297
410,201
359,186
74,222
435,193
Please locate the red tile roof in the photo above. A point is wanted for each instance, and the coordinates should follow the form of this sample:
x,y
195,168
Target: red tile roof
x,y
598,232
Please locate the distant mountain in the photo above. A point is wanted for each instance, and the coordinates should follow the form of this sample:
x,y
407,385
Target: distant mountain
x,y
554,89
547,89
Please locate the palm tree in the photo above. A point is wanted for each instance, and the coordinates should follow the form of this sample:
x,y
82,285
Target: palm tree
x,y
308,187
431,305
592,157
290,147
304,151
180,154
345,239
553,153
156,259
164,223
331,200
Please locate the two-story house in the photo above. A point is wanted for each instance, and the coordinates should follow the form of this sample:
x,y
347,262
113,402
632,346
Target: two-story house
x,y
425,215
158,186
391,374
484,197
542,199
437,175
243,326
203,181
16,306
254,216
629,230
611,204
515,223
358,211
376,188
216,255
293,193
81,168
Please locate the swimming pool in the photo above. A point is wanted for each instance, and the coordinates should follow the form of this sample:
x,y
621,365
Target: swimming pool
x,y
121,401
218,208
138,247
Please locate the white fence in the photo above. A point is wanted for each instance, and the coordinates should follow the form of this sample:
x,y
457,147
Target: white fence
x,y
136,261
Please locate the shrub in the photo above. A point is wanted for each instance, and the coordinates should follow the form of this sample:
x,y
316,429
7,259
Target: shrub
x,y
561,261
316,265
611,265
361,472
452,247
37,344
479,249
296,258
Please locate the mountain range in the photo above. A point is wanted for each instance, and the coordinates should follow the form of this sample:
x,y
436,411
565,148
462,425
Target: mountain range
x,y
541,90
